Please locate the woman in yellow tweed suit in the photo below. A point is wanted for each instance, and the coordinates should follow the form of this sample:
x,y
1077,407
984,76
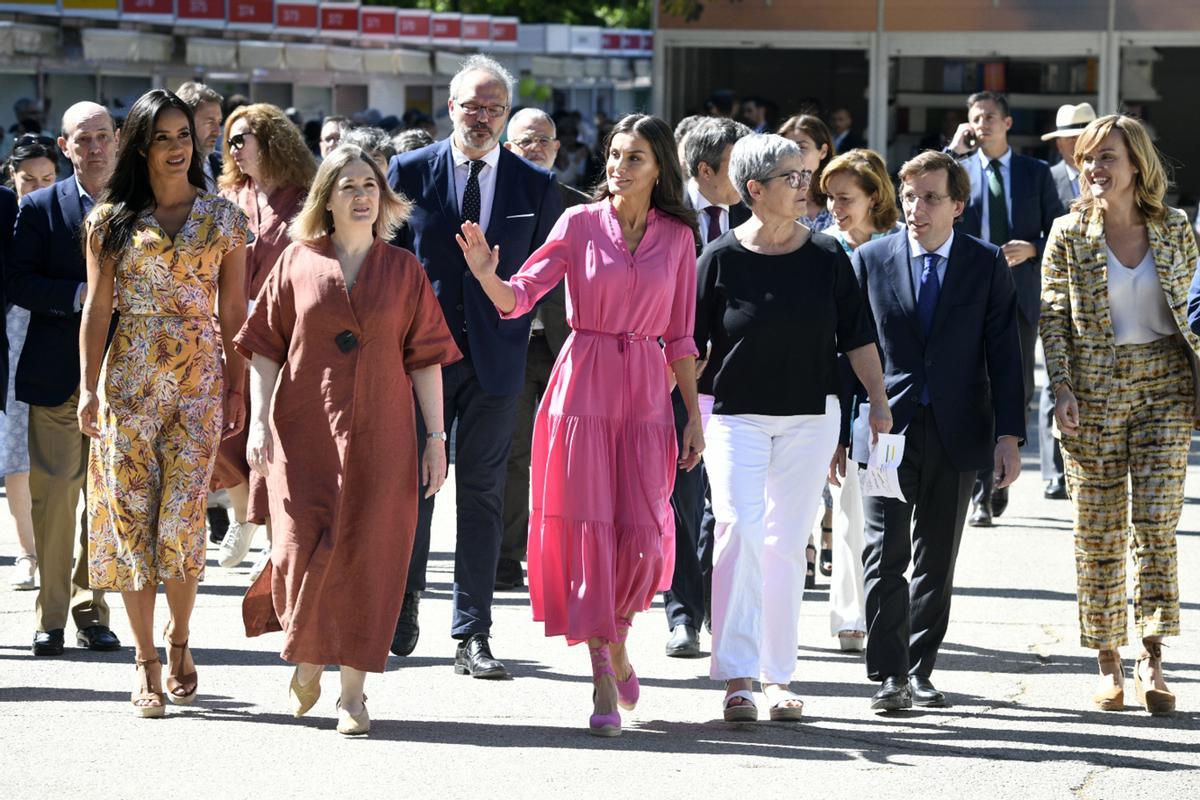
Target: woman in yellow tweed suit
x,y
170,252
1120,357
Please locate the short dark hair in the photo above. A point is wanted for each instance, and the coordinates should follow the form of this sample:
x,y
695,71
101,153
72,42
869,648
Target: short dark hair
x,y
958,183
982,97
196,94
706,142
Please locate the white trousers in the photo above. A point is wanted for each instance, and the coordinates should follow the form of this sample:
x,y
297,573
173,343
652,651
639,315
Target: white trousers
x,y
766,474
847,602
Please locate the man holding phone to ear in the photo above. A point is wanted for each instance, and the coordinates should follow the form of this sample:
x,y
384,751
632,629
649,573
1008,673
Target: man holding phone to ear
x,y
1013,203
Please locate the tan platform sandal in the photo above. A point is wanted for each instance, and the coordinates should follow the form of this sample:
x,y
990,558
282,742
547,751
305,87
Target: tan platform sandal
x,y
146,702
1159,702
177,685
1111,698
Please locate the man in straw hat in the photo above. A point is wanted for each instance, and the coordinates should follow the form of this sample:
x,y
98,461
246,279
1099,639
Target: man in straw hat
x,y
1069,123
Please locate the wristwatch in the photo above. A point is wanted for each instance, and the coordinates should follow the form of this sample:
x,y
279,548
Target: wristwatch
x,y
436,435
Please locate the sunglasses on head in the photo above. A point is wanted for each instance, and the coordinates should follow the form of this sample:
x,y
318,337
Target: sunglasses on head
x,y
33,138
238,141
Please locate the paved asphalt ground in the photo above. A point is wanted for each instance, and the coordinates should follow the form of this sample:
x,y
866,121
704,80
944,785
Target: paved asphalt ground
x,y
1021,725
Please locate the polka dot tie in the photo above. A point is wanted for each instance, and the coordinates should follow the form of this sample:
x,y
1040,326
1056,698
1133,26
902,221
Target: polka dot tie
x,y
471,196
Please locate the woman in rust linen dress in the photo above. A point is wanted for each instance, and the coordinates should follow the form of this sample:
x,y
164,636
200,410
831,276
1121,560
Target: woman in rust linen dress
x,y
267,172
344,329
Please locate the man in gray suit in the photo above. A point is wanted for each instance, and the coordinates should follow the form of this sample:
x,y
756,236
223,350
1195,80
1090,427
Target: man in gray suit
x,y
532,136
1069,123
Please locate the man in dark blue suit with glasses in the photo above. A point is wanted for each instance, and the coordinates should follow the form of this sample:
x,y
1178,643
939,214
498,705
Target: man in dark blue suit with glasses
x,y
471,177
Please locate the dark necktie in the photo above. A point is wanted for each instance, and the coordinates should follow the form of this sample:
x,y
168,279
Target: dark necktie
x,y
471,196
997,207
714,222
927,298
87,203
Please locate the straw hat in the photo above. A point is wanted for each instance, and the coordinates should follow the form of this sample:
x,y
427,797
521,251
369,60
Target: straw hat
x,y
1071,120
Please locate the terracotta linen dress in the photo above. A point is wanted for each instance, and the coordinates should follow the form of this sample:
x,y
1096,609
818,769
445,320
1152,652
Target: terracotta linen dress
x,y
601,531
344,482
160,391
268,239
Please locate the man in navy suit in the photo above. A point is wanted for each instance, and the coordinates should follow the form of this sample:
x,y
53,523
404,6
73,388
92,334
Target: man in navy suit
x,y
471,177
713,196
1012,205
47,274
206,110
945,312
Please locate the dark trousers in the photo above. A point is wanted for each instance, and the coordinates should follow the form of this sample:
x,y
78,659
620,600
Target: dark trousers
x,y
906,622
685,601
538,364
484,431
1028,331
1049,451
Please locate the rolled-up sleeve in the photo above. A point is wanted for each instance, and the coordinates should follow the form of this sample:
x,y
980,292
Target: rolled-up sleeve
x,y
680,337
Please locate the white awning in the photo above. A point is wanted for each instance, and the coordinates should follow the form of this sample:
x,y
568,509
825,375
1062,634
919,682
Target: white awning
x,y
214,53
260,55
447,63
595,68
572,68
619,68
547,67
344,59
643,67
17,37
380,62
310,57
413,62
111,44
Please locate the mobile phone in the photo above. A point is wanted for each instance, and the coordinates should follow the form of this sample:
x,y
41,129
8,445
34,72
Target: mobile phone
x,y
970,141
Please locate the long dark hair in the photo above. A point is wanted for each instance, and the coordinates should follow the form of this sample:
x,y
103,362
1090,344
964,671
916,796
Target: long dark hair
x,y
128,189
667,195
29,146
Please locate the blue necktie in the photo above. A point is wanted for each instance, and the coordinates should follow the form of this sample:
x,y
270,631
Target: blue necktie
x,y
927,298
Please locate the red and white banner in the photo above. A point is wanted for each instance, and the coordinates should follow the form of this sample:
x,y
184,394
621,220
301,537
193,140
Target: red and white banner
x,y
209,13
340,20
504,31
148,10
414,26
296,16
251,14
476,30
447,29
377,23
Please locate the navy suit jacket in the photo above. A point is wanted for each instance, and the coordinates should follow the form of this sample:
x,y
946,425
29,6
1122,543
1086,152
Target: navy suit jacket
x,y
972,359
8,219
526,205
44,274
1035,206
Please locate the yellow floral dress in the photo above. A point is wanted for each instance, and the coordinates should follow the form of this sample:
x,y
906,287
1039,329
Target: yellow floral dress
x,y
161,392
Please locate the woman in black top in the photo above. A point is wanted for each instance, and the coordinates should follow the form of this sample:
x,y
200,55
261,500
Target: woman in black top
x,y
776,304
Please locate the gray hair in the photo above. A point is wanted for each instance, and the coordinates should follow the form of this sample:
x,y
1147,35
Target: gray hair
x,y
482,63
706,143
196,94
755,157
685,126
411,139
375,141
528,115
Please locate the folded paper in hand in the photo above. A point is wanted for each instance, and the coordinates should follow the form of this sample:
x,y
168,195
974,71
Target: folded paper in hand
x,y
881,478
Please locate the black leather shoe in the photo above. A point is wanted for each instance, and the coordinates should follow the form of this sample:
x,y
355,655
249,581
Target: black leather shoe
x,y
1056,489
48,643
980,517
509,575
893,695
404,640
97,637
474,658
999,501
684,642
923,693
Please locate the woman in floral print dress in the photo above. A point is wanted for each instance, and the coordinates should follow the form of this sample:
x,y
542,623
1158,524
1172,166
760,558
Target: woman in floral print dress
x,y
169,251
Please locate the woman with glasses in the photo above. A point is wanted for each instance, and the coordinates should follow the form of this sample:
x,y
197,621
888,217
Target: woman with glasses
x,y
268,169
32,165
162,252
777,304
815,143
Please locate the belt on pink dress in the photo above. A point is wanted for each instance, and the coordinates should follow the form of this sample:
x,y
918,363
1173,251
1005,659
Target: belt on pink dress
x,y
621,338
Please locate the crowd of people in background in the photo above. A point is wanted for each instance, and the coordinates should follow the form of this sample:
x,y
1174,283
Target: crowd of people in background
x,y
664,354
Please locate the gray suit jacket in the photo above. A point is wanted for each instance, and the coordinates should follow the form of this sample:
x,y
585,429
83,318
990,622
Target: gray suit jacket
x,y
552,310
1063,185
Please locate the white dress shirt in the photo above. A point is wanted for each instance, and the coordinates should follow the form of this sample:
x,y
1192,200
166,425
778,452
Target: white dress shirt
x,y
699,203
486,178
916,264
985,164
1136,301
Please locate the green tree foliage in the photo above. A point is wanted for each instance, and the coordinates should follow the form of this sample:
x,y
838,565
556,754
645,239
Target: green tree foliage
x,y
607,13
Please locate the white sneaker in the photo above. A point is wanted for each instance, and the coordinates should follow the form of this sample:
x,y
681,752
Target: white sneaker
x,y
24,573
260,563
236,543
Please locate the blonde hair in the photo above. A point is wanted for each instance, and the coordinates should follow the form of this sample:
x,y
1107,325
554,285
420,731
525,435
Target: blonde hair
x,y
285,158
868,169
315,221
1149,182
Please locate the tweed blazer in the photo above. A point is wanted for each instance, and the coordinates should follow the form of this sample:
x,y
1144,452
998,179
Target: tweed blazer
x,y
1076,326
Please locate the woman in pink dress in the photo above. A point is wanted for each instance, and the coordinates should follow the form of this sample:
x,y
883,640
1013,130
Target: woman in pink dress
x,y
601,532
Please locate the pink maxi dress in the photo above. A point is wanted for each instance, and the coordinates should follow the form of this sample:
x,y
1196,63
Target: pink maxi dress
x,y
601,531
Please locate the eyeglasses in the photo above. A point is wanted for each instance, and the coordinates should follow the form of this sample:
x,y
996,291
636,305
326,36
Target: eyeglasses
x,y
474,110
930,199
795,179
238,141
530,142
32,138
